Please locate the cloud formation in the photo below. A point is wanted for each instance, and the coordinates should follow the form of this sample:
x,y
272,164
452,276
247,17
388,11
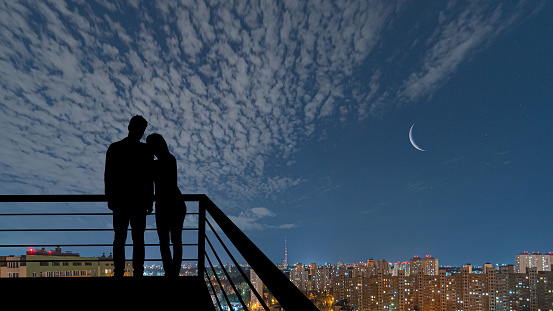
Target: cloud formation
x,y
458,31
252,219
235,87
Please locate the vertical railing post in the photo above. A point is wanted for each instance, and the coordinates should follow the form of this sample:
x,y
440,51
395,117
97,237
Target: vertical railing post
x,y
201,237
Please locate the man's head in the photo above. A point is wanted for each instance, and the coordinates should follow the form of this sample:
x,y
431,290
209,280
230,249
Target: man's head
x,y
137,126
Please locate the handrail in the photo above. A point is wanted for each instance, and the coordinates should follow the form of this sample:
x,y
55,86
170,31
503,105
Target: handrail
x,y
71,198
75,198
263,304
285,292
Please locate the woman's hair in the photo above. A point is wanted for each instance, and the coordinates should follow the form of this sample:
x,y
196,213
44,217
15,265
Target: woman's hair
x,y
157,143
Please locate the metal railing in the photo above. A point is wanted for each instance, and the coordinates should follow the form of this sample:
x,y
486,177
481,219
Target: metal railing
x,y
284,291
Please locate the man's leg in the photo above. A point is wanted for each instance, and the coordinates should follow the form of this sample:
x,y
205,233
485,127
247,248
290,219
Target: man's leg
x,y
120,226
138,226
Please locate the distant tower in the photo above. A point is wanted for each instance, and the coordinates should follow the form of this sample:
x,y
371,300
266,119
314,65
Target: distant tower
x,y
285,254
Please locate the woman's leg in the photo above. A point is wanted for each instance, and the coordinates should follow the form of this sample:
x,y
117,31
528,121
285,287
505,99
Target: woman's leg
x,y
162,224
176,239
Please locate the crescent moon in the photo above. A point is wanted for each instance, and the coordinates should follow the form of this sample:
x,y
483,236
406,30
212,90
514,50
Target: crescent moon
x,y
412,140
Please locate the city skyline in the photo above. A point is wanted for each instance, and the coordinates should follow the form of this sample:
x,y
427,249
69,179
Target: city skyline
x,y
353,128
517,260
375,286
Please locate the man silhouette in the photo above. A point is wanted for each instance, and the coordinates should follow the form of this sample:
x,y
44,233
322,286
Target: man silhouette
x,y
130,193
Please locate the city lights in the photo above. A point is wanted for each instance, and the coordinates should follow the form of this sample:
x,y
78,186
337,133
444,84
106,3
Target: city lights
x,y
420,283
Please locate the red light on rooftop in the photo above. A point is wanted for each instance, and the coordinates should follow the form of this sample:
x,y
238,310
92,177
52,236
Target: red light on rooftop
x,y
31,249
50,252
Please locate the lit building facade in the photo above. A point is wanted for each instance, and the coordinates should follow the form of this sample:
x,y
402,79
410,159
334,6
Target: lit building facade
x,y
534,260
258,286
373,286
427,265
42,263
300,277
401,266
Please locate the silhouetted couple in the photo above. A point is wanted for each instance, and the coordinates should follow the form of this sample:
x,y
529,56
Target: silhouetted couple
x,y
130,176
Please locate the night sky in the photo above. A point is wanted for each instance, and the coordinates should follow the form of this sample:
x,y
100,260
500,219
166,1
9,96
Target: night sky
x,y
294,118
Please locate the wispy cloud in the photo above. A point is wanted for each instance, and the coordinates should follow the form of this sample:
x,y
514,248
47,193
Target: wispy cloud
x,y
460,30
419,186
255,219
376,208
458,35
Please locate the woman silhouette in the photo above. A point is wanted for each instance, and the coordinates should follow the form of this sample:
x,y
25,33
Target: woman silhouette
x,y
170,207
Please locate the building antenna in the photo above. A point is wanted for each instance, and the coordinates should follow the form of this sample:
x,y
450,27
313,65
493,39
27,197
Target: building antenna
x,y
285,254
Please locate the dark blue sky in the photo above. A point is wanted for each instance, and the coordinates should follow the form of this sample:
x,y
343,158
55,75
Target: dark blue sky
x,y
294,118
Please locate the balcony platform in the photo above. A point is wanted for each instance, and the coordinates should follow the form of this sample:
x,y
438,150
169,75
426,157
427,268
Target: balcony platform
x,y
189,293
